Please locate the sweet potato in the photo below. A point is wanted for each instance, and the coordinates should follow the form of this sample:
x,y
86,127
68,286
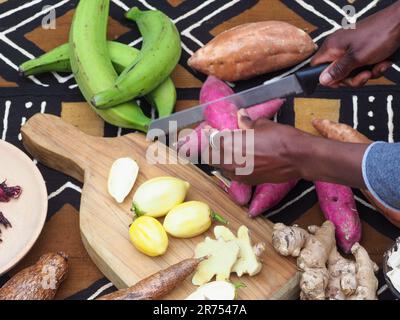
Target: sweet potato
x,y
223,115
38,282
268,195
253,49
338,205
343,132
158,284
239,192
339,131
265,110
194,143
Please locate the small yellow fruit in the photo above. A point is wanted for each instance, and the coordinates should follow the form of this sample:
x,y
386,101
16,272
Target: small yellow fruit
x,y
148,236
190,219
157,196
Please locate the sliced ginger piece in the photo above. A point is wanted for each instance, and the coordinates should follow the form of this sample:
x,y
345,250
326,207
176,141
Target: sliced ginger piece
x,y
221,254
248,261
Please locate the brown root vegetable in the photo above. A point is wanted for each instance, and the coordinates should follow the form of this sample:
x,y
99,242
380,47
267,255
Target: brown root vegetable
x,y
313,283
288,240
339,131
38,282
158,284
253,49
318,246
345,133
312,261
342,277
367,283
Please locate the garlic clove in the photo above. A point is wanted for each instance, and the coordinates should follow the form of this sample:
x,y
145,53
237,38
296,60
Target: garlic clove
x,y
122,177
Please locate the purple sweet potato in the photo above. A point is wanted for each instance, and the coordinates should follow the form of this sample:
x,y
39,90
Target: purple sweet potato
x,y
265,110
338,205
268,195
239,192
219,115
223,115
194,143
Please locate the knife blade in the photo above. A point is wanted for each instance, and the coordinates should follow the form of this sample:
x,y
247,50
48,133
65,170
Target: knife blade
x,y
303,81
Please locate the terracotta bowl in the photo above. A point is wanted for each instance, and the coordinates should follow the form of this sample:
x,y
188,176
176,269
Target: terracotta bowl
x,y
386,268
26,214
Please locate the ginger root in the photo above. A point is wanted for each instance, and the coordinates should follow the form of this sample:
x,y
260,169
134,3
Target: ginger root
x,y
342,277
318,246
248,261
313,283
325,274
288,241
222,256
365,274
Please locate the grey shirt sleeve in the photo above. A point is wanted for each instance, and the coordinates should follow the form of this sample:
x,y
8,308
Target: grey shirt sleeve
x,y
381,172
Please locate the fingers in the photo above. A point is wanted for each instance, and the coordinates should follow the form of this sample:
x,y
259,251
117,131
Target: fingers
x,y
327,53
380,68
338,70
358,81
363,77
244,121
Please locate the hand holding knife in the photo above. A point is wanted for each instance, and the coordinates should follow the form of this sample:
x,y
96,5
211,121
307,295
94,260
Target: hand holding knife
x,y
303,81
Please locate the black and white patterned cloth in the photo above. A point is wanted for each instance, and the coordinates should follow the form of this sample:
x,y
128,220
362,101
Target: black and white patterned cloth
x,y
374,110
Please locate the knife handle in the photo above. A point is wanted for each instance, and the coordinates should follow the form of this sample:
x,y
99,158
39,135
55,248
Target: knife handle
x,y
309,77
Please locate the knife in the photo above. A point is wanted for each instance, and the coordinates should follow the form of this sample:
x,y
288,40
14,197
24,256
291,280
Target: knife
x,y
303,81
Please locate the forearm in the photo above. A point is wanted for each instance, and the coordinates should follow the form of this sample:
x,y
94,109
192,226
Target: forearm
x,y
318,159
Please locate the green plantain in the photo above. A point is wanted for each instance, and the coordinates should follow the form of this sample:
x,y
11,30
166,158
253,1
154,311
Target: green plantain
x,y
91,63
163,97
158,57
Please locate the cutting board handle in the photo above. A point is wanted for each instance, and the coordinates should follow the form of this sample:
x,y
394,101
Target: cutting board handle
x,y
57,144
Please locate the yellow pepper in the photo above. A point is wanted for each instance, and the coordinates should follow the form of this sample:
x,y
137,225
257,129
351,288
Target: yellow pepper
x,y
157,196
190,219
148,236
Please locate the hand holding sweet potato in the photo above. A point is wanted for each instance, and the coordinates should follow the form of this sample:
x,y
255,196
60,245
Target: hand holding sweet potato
x,y
345,133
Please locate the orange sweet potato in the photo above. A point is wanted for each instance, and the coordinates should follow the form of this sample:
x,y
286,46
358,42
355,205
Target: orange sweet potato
x,y
343,132
252,49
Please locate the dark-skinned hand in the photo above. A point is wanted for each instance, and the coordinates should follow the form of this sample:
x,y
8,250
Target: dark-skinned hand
x,y
372,42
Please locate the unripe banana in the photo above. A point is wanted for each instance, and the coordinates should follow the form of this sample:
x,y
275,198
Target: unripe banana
x,y
158,57
55,60
91,63
163,97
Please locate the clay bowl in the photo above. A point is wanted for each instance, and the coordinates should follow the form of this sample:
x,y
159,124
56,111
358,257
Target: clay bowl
x,y
27,214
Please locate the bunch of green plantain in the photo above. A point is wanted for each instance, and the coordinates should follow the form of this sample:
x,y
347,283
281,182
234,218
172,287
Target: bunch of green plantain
x,y
96,64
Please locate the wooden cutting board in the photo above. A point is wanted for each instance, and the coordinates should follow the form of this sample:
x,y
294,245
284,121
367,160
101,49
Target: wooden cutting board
x,y
104,223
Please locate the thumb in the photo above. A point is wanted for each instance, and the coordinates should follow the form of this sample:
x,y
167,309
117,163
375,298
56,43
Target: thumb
x,y
244,121
338,70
